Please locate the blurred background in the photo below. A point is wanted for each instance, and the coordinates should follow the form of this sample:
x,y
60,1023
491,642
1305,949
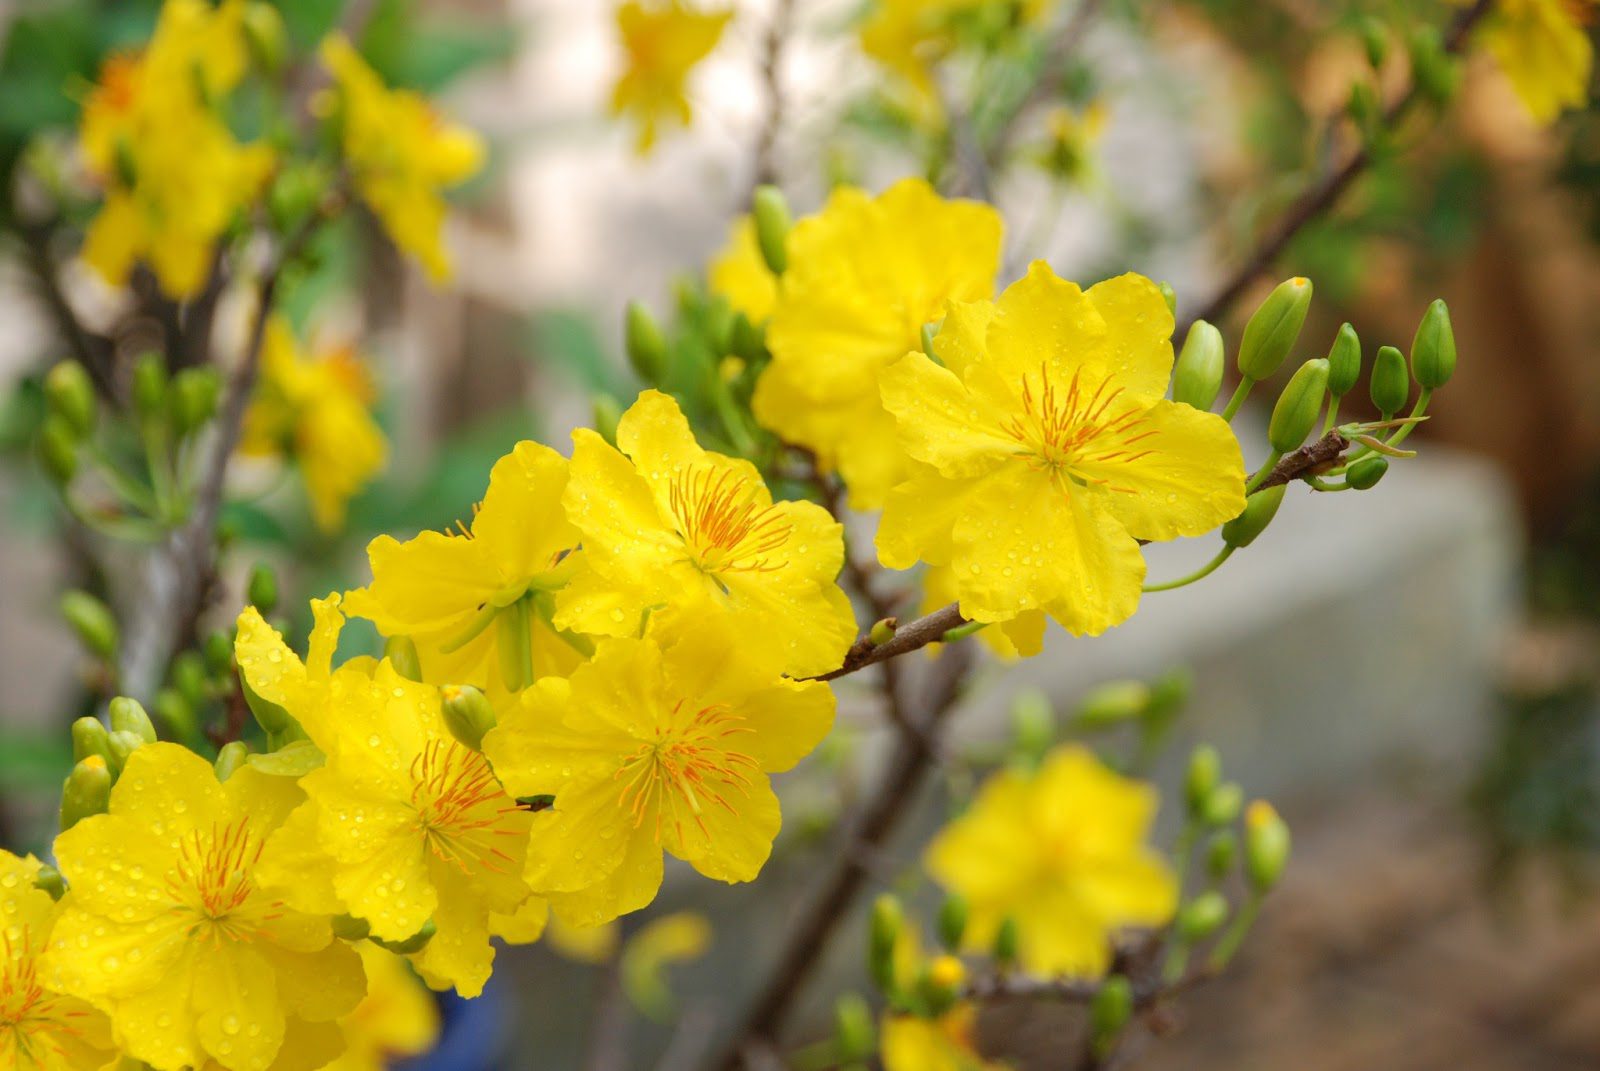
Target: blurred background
x,y
1411,673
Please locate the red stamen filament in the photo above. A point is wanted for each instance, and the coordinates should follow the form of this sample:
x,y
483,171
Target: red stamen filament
x,y
723,524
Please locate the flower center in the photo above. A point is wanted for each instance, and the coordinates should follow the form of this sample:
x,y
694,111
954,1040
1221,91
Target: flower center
x,y
723,524
458,803
688,762
21,995
213,869
1063,430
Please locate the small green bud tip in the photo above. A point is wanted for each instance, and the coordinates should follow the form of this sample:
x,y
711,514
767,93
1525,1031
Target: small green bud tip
x,y
883,631
58,450
401,651
770,210
1299,406
231,758
1364,475
1266,845
1344,362
1224,804
1375,39
1007,940
1205,770
193,398
1034,721
70,396
853,1031
123,744
467,713
1259,509
219,653
89,737
1274,328
87,791
1114,703
607,414
128,716
188,675
1169,295
262,589
1197,377
270,716
1111,1008
264,34
1221,854
177,712
1202,916
91,620
49,880
887,919
1390,385
1433,350
646,345
953,921
1432,68
149,389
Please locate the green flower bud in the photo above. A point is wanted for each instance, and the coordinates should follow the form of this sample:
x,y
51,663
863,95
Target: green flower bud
x,y
1432,68
48,879
189,676
1344,362
401,651
1364,474
1112,704
233,756
350,928
91,620
1169,295
193,398
1274,328
128,716
1110,1011
262,589
853,1031
467,713
770,210
747,340
149,389
1259,509
1390,384
1375,39
89,737
1034,724
264,35
646,345
1433,350
887,918
1201,917
718,329
1168,695
58,450
1006,942
1197,377
270,716
413,944
70,396
952,921
1299,406
178,712
1205,771
86,791
607,414
882,631
1266,845
939,984
1364,110
1221,854
1224,804
123,744
219,653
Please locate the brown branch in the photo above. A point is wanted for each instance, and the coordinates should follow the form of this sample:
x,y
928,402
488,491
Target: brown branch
x,y
1309,460
1331,188
907,638
91,351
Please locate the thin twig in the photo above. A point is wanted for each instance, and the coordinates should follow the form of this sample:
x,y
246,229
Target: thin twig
x,y
1308,460
91,351
907,638
773,48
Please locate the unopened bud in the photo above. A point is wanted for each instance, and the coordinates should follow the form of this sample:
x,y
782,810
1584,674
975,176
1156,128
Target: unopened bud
x,y
233,756
264,34
887,919
747,340
270,716
219,653
1112,704
953,921
262,589
1169,295
1221,854
607,414
1266,845
1433,350
1274,328
1390,384
646,346
89,738
941,983
49,880
123,744
70,396
1197,377
1363,475
1007,940
188,676
1433,70
467,713
178,712
91,620
1205,771
1110,1011
1201,917
58,450
128,716
853,1032
149,390
1224,804
1299,406
1344,362
401,651
413,944
87,791
1375,39
193,398
770,210
1034,722
883,631
1259,509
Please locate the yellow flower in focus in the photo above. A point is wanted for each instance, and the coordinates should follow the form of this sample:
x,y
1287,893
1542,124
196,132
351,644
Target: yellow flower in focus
x,y
398,1017
1048,452
1062,851
478,602
171,928
912,1043
40,1029
1020,637
403,823
401,153
740,274
646,750
864,275
694,540
1543,46
316,410
662,43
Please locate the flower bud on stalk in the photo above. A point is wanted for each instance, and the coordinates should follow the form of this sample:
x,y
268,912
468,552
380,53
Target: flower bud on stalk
x,y
86,792
747,339
1109,1011
89,737
178,712
1259,509
770,210
1390,384
1205,770
1274,328
646,346
1364,474
853,1031
1433,349
92,621
70,396
1197,377
1432,68
1221,854
1201,917
219,653
188,676
1112,704
1224,804
58,450
467,714
887,918
1266,845
1035,725
882,631
1344,362
264,34
149,389
262,589
1299,406
1375,39
231,758
1006,942
193,398
940,985
401,651
952,921
123,744
128,716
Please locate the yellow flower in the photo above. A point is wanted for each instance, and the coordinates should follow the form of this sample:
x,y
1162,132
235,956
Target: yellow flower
x,y
864,275
910,36
1020,637
662,43
645,749
477,603
740,273
41,1029
170,927
1543,47
413,824
912,1043
317,411
401,153
398,1018
1069,153
1047,452
174,174
694,540
1061,851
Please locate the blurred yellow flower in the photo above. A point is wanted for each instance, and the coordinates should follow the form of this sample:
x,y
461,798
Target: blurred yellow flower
x,y
645,749
477,602
413,824
398,1017
1069,150
1062,851
692,539
401,153
740,274
1048,452
317,411
910,36
171,928
864,275
1543,46
912,1043
584,944
662,43
680,937
40,1029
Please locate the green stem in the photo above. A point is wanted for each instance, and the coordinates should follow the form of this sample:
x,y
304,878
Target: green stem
x,y
1319,484
1333,413
1199,574
1230,941
1263,472
1239,395
1420,409
121,483
961,632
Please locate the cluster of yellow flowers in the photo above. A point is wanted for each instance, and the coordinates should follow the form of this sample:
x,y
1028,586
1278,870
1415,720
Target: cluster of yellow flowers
x,y
1543,47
